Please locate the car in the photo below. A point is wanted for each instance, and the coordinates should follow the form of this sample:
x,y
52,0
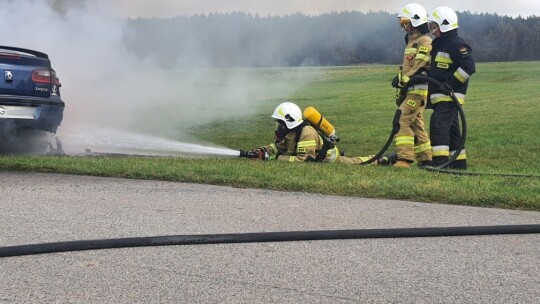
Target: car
x,y
30,99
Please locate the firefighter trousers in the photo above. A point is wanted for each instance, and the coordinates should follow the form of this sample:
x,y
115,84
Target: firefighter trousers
x,y
446,136
412,141
355,160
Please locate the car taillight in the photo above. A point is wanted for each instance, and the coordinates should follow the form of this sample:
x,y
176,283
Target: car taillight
x,y
41,76
45,76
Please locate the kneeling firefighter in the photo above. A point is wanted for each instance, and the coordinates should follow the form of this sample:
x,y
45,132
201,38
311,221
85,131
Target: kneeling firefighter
x,y
298,140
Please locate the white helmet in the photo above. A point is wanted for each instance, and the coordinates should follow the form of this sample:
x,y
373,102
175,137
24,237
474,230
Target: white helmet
x,y
415,13
289,113
445,17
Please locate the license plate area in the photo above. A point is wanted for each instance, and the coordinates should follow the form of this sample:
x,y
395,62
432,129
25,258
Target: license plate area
x,y
18,112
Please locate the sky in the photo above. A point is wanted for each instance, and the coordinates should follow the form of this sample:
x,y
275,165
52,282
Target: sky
x,y
171,8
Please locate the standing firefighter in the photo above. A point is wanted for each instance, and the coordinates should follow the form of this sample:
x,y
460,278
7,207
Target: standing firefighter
x,y
298,141
452,64
412,141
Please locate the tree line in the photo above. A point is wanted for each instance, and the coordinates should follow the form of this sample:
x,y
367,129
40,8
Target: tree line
x,y
344,38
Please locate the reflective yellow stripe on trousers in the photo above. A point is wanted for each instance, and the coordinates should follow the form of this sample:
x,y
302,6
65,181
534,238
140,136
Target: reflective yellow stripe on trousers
x,y
404,140
440,151
422,148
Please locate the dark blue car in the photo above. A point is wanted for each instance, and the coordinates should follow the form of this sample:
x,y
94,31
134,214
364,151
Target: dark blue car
x,y
29,93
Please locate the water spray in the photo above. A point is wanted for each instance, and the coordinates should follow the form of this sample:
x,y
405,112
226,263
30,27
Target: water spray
x,y
109,141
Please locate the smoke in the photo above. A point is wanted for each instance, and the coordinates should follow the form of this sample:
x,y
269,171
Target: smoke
x,y
172,8
104,84
84,44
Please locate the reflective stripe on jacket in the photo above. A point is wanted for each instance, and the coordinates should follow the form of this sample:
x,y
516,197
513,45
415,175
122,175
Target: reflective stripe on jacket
x,y
451,62
416,58
309,143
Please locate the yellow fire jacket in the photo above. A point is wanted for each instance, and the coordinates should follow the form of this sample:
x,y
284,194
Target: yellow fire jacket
x,y
415,57
309,144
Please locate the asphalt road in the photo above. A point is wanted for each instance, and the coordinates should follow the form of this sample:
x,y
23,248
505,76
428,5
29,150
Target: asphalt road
x,y
37,208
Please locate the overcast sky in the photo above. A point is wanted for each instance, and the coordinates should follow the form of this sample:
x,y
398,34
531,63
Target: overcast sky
x,y
169,8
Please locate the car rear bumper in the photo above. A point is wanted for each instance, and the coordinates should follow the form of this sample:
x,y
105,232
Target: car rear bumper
x,y
30,113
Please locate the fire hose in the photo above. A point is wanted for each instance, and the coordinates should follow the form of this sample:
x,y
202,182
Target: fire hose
x,y
395,129
287,236
330,133
264,237
453,157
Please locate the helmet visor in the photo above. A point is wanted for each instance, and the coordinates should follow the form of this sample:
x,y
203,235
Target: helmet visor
x,y
404,22
434,28
281,130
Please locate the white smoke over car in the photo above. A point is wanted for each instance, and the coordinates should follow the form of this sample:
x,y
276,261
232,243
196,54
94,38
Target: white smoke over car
x,y
105,85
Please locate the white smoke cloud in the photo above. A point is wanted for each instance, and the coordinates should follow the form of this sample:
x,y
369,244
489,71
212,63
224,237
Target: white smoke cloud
x,y
84,43
104,84
171,8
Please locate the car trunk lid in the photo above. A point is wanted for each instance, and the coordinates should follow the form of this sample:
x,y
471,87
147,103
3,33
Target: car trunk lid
x,y
26,73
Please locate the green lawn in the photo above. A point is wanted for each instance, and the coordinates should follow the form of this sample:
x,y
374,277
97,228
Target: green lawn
x,y
503,115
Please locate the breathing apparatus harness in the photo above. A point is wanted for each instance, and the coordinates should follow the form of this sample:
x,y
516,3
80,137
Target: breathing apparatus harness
x,y
282,131
327,145
324,128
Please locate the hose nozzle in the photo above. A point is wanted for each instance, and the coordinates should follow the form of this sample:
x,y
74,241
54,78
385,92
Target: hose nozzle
x,y
249,154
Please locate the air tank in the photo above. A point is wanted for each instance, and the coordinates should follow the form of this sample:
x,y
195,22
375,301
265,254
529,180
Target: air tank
x,y
320,123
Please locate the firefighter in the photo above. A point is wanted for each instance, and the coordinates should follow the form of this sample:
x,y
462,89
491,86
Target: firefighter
x,y
452,65
297,141
412,141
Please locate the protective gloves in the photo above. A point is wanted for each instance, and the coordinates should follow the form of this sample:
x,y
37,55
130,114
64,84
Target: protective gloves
x,y
395,81
413,81
261,154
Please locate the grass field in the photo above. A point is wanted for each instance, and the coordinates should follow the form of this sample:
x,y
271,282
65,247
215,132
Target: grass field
x,y
503,115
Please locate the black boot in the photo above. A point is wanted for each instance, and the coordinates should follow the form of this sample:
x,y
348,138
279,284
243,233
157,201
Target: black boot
x,y
438,160
425,163
459,164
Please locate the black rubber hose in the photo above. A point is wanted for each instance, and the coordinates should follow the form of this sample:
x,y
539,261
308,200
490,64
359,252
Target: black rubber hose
x,y
395,129
287,236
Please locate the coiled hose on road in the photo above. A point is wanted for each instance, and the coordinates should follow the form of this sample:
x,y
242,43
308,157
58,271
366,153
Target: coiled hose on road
x,y
264,237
